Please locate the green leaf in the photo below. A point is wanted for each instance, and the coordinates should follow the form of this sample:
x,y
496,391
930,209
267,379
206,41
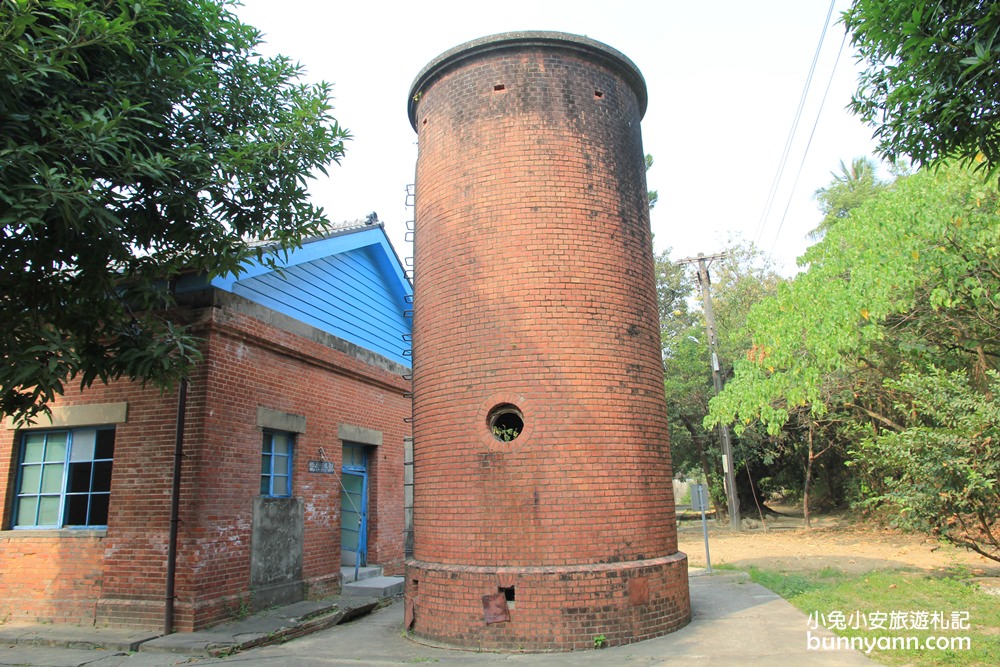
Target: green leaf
x,y
141,139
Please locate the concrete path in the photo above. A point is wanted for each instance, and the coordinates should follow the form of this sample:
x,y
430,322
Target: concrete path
x,y
734,622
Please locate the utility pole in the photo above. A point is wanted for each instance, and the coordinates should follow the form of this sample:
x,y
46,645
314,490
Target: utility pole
x,y
727,449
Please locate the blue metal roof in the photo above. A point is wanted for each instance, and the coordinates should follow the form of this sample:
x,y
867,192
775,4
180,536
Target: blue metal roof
x,y
349,283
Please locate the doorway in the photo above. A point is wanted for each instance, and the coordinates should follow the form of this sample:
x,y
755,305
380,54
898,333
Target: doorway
x,y
354,506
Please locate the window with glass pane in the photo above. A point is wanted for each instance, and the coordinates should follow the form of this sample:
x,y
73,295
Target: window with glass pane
x,y
65,478
276,464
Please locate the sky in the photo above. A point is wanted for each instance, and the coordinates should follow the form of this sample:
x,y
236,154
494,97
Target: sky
x,y
724,81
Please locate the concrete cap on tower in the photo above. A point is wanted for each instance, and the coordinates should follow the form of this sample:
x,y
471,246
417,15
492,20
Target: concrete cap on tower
x,y
595,50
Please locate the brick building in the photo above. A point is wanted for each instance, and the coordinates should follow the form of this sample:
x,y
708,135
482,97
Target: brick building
x,y
292,463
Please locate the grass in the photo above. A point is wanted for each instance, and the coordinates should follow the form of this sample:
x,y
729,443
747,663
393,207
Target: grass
x,y
917,597
727,567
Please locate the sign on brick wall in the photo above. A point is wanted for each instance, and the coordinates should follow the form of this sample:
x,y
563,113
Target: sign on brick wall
x,y
326,467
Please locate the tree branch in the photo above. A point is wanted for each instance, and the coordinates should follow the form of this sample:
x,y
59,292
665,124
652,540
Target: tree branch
x,y
874,415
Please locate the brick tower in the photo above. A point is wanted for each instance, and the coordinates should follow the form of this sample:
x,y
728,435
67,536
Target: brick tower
x,y
543,508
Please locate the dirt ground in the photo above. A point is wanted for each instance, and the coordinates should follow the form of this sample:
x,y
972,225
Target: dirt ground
x,y
834,541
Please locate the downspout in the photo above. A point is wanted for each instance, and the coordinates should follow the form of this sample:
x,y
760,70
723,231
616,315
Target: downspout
x,y
175,504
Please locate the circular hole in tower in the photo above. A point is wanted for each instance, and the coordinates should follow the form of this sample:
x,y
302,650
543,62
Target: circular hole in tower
x,y
505,422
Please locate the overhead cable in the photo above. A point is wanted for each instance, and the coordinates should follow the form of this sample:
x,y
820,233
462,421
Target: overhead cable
x,y
819,112
791,134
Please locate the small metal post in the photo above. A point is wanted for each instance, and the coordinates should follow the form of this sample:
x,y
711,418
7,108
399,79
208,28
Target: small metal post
x,y
703,503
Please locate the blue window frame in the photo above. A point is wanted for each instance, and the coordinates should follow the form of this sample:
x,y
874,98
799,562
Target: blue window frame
x,y
64,478
276,464
355,457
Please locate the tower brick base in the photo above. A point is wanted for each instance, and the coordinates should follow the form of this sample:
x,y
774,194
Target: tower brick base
x,y
549,608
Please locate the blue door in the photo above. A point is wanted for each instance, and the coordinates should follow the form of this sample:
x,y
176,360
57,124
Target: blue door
x,y
354,506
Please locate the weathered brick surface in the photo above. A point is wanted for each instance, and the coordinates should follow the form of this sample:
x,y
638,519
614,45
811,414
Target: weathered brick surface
x,y
50,577
534,287
117,577
559,608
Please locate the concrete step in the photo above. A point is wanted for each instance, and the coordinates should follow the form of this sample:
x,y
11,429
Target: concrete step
x,y
379,587
65,644
270,626
367,572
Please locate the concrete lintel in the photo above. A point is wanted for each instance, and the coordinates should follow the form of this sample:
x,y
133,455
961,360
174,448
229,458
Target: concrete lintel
x,y
280,421
359,434
95,414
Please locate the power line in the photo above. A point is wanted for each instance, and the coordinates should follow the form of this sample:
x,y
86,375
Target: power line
x,y
805,154
791,133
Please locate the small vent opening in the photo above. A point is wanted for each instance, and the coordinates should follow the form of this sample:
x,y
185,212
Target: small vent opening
x,y
508,595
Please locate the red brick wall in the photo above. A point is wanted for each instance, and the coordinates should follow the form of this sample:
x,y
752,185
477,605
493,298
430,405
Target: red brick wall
x,y
66,572
535,287
50,576
248,364
554,608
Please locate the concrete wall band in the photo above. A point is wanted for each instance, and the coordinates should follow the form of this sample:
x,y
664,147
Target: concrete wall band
x,y
543,507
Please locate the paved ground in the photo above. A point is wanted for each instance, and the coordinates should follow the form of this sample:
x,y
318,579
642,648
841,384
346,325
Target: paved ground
x,y
734,622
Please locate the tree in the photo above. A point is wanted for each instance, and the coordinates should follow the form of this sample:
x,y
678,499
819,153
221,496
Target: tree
x,y
137,141
849,189
904,289
652,195
942,472
741,279
685,363
930,87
